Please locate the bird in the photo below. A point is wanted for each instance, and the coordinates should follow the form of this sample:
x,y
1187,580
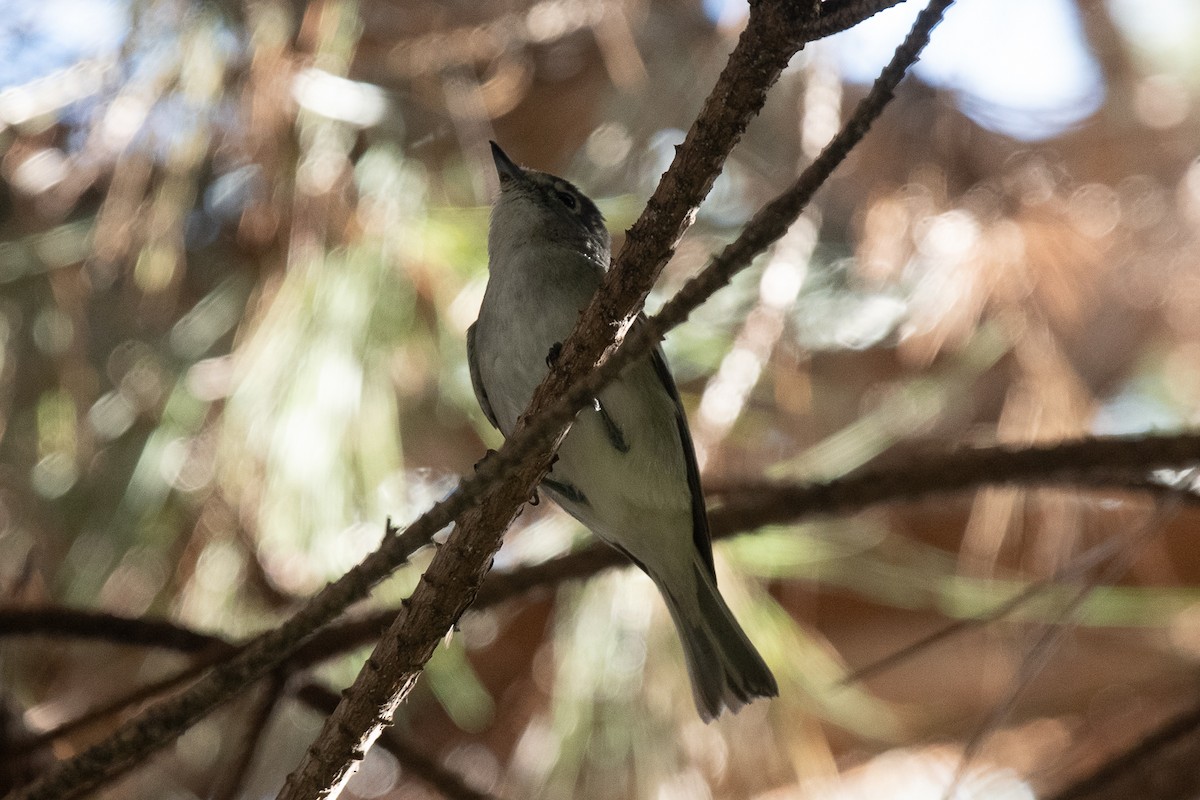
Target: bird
x,y
626,468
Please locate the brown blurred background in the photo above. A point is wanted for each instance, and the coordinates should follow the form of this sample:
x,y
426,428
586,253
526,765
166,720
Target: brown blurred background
x,y
241,243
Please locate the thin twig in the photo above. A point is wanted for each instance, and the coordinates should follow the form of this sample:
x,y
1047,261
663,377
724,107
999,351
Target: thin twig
x,y
1040,652
163,722
117,705
1094,462
1073,570
1128,773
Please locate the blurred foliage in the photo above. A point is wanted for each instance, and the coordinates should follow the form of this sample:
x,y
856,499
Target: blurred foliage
x,y
240,246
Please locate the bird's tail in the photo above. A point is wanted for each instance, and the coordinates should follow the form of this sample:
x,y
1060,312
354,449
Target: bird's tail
x,y
725,669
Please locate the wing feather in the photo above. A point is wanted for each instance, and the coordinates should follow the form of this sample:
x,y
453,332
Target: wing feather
x,y
476,380
700,533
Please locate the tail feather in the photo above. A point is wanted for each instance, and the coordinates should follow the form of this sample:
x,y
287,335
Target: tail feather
x,y
725,669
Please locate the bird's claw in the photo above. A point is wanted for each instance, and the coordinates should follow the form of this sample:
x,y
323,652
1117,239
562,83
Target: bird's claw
x,y
552,356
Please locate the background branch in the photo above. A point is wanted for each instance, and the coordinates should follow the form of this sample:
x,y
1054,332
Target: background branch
x,y
160,724
85,624
117,705
1110,462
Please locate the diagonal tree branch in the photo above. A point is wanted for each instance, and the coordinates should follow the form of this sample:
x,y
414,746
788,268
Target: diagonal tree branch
x,y
774,32
411,757
167,719
105,710
839,15
453,578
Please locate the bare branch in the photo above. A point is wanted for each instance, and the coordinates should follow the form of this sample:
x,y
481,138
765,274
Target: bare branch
x,y
73,623
1113,462
772,26
839,15
412,758
163,722
772,36
1116,461
117,705
453,578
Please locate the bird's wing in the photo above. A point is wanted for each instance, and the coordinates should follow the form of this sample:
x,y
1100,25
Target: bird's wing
x,y
700,533
477,381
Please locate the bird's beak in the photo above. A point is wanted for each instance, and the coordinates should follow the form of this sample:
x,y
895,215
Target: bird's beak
x,y
505,167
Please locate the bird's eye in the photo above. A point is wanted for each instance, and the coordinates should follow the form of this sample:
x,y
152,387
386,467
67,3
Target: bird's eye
x,y
567,199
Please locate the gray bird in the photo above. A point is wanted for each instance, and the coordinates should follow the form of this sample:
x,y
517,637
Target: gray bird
x,y
627,468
